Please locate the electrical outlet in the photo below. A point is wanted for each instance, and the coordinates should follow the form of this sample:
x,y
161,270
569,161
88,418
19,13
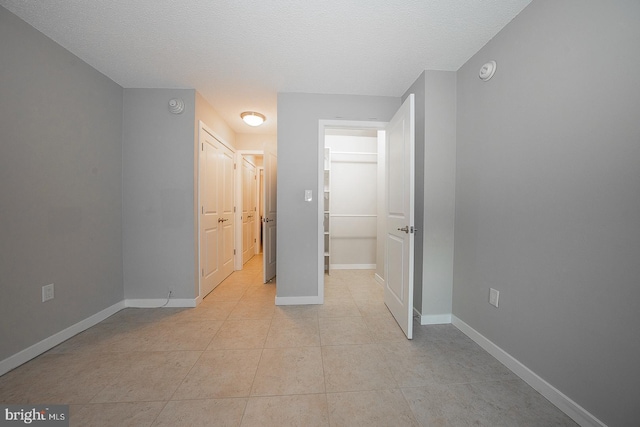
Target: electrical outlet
x,y
47,292
494,296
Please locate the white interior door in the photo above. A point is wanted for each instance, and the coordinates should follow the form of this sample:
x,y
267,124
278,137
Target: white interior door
x,y
399,208
259,207
248,210
226,190
270,218
210,236
253,212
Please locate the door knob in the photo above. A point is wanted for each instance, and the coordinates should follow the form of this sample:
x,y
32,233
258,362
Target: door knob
x,y
405,229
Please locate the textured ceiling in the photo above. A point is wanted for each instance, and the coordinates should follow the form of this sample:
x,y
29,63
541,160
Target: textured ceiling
x,y
240,53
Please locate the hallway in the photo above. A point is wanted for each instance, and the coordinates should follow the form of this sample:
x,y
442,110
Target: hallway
x,y
237,359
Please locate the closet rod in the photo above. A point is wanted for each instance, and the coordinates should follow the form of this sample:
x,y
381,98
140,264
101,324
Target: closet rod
x,y
354,215
353,152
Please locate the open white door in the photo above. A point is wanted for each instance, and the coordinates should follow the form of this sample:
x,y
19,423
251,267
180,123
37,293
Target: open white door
x,y
270,218
260,208
399,236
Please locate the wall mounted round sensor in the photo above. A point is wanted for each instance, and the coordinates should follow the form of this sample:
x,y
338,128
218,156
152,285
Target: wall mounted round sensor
x,y
176,106
487,71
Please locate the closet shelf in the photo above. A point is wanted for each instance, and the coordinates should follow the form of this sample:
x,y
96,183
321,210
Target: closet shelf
x,y
327,214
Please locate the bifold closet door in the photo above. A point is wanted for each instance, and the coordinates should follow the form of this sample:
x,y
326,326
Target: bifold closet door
x,y
226,192
216,212
210,225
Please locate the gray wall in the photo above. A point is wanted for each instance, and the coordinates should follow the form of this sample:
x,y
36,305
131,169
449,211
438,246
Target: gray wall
x,y
208,115
60,187
548,199
439,194
158,194
298,116
435,95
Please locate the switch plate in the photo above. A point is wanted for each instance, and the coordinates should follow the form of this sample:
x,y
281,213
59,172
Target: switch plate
x,y
308,195
47,292
494,296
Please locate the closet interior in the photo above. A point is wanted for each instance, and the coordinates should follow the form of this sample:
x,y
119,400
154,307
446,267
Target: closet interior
x,y
352,172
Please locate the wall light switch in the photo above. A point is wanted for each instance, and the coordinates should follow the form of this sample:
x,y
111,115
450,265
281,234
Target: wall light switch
x,y
494,296
308,195
47,292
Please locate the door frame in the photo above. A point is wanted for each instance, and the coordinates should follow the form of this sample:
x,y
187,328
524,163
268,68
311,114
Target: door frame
x,y
322,127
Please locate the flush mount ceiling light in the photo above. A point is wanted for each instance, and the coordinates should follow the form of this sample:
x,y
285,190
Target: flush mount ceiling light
x,y
252,118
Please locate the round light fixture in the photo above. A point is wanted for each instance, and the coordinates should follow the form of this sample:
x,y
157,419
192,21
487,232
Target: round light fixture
x,y
252,118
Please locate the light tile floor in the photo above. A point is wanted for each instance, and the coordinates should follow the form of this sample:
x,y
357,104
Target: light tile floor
x,y
238,360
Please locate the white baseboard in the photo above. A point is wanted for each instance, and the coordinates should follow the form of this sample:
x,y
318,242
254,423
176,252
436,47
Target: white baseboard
x,y
159,302
555,396
353,266
433,319
379,279
46,344
298,300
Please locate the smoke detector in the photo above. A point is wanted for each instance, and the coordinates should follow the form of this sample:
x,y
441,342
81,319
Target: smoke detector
x,y
487,71
176,105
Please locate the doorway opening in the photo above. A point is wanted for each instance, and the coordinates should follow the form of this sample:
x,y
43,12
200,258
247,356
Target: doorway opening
x,y
351,185
250,193
236,193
